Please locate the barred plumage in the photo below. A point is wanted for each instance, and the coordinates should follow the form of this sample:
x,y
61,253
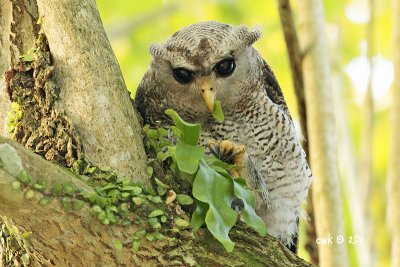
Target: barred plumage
x,y
256,114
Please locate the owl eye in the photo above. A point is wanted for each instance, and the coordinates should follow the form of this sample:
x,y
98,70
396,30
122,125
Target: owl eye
x,y
182,75
225,67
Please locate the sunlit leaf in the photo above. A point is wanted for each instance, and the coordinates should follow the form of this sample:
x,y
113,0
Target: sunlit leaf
x,y
217,113
248,213
199,215
188,156
217,191
190,132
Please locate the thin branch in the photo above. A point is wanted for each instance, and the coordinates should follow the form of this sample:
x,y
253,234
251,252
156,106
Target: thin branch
x,y
295,57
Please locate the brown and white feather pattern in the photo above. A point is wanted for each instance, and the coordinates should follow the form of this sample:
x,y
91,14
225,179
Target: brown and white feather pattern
x,y
256,114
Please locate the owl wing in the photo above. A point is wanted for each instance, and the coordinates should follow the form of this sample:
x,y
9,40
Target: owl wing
x,y
273,89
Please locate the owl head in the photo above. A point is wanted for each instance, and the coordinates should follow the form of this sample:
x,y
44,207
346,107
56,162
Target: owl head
x,y
206,61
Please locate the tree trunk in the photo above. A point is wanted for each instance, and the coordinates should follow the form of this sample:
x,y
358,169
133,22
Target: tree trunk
x,y
92,107
321,128
74,238
393,210
92,92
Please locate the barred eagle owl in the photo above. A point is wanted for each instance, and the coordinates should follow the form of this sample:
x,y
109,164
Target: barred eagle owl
x,y
210,61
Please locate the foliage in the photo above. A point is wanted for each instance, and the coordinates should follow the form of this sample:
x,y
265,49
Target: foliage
x,y
213,186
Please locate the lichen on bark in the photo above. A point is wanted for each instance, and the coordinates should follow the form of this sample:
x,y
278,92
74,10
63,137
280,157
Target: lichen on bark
x,y
41,128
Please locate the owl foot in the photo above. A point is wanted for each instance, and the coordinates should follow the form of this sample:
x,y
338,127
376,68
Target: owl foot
x,y
228,152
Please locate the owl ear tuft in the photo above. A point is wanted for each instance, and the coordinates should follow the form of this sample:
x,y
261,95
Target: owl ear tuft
x,y
248,37
156,50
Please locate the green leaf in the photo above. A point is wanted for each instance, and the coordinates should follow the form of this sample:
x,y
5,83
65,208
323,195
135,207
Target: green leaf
x,y
105,169
217,191
184,199
44,201
30,194
199,215
66,201
109,186
96,209
126,223
140,233
181,222
158,182
91,170
135,190
217,113
156,213
190,132
57,187
188,156
161,190
16,185
248,214
117,244
159,236
26,58
149,171
135,246
69,188
77,204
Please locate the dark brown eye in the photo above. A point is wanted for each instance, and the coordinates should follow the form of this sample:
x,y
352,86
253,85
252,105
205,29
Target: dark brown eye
x,y
182,75
225,67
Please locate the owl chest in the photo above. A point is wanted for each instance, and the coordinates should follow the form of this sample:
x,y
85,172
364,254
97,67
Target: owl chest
x,y
265,132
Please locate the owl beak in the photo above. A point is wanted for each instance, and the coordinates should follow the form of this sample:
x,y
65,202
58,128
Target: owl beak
x,y
208,94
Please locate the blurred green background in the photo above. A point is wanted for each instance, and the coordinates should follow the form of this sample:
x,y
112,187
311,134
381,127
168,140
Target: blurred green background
x,y
132,24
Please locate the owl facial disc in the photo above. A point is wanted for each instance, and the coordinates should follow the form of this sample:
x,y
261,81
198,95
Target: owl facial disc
x,y
208,94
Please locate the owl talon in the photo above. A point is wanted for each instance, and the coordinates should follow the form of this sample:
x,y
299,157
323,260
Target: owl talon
x,y
227,151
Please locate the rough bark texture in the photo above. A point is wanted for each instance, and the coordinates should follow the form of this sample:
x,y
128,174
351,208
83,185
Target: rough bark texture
x,y
18,32
394,158
295,57
61,238
92,91
321,128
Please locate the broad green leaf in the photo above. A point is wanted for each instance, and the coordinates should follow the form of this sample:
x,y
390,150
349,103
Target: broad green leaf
x,y
249,215
199,215
217,113
217,191
188,156
190,132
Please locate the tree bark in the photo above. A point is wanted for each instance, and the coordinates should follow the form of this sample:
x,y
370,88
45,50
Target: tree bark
x,y
95,102
394,152
321,125
75,238
92,91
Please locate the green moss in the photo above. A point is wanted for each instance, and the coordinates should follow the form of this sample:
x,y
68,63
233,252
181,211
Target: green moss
x,y
13,244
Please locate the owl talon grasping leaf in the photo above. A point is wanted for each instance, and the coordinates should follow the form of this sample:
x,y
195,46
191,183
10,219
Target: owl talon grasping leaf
x,y
210,61
228,152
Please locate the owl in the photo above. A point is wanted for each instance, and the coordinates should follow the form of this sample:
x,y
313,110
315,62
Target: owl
x,y
209,61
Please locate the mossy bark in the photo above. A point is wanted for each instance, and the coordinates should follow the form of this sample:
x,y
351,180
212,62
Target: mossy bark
x,y
76,238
